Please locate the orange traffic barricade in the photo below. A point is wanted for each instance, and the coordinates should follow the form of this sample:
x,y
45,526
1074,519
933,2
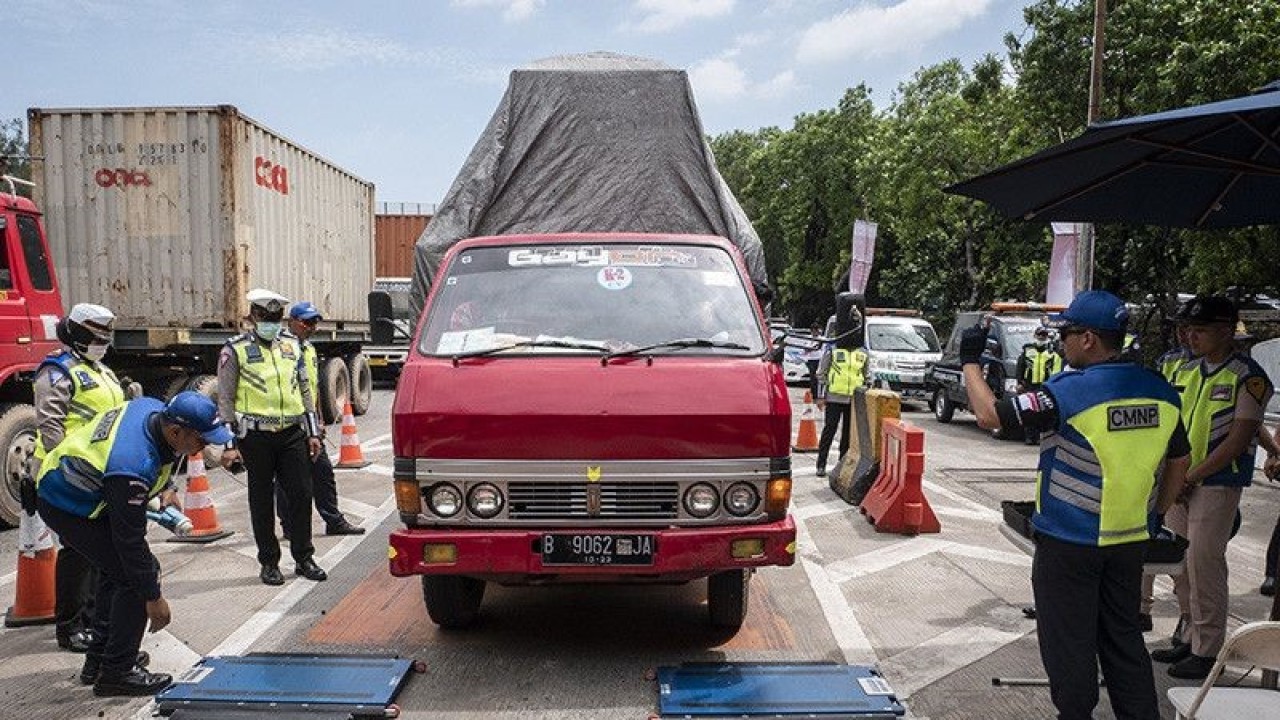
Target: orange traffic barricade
x,y
896,502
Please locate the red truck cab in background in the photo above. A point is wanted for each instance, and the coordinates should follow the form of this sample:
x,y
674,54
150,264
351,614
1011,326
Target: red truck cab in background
x,y
591,408
30,306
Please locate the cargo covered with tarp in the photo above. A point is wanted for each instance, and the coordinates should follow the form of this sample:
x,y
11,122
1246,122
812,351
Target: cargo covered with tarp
x,y
589,143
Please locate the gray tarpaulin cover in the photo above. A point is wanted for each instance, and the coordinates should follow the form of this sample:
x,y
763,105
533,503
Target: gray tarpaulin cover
x,y
589,143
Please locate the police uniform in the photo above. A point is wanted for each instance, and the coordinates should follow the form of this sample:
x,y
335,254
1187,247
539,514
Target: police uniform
x,y
844,371
1036,365
1107,430
69,391
260,384
93,490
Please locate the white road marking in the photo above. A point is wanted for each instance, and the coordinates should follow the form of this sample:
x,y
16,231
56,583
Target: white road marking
x,y
884,558
924,664
984,511
848,633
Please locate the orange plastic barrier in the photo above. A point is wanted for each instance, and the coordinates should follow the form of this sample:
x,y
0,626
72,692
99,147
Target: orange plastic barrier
x,y
807,433
350,455
33,600
198,506
896,502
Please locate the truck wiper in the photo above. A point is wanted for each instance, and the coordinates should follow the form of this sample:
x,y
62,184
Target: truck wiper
x,y
531,343
680,343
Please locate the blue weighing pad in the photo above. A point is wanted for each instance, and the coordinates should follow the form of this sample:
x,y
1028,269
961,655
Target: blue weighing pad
x,y
817,690
280,684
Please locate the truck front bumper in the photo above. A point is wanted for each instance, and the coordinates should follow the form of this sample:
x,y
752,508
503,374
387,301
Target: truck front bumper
x,y
515,556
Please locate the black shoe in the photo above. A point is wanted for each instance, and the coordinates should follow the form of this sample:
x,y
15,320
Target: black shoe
x,y
1174,654
135,683
76,642
271,575
89,671
1268,587
344,528
310,570
1144,619
1194,667
821,471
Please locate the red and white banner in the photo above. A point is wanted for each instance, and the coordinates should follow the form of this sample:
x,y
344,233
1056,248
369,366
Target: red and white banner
x,y
1062,266
864,252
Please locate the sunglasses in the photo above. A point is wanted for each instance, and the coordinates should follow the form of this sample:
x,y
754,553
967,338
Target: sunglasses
x,y
1072,330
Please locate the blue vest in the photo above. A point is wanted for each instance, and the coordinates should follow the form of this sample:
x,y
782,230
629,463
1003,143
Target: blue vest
x,y
72,476
1098,470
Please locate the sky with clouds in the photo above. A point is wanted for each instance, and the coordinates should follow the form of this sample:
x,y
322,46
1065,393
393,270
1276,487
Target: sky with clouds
x,y
398,92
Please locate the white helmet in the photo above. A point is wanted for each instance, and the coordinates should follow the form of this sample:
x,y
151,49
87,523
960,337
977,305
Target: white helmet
x,y
87,324
272,302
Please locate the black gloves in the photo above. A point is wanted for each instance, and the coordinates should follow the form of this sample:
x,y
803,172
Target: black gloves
x,y
973,342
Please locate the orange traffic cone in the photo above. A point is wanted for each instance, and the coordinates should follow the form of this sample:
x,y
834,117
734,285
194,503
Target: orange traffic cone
x,y
33,601
198,506
349,454
807,434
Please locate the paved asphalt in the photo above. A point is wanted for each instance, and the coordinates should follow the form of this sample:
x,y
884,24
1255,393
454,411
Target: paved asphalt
x,y
941,615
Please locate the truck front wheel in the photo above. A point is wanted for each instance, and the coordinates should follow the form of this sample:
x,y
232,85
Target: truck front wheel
x,y
452,601
361,382
18,440
727,596
334,388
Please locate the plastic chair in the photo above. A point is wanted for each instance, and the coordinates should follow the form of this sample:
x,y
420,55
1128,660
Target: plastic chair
x,y
1256,643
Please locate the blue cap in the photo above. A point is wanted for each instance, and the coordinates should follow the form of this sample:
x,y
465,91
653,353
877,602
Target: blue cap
x,y
192,410
1094,309
304,310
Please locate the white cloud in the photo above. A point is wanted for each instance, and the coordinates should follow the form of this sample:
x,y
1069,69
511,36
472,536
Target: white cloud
x,y
870,31
778,86
513,10
722,79
664,15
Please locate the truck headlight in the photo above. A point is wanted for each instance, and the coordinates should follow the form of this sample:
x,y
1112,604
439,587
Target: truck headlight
x,y
701,500
444,500
485,500
741,499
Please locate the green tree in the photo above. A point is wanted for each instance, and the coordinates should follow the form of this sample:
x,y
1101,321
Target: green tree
x,y
13,151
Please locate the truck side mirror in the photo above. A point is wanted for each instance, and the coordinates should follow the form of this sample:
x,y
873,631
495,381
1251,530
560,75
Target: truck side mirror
x,y
777,353
382,329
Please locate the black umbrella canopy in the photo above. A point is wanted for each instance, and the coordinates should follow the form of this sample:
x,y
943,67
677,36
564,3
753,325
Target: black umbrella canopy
x,y
1208,166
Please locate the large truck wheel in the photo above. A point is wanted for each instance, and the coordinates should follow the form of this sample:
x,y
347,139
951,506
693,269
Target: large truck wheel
x,y
452,601
727,596
18,439
334,385
361,382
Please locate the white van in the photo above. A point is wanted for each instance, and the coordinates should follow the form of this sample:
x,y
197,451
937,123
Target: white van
x,y
901,346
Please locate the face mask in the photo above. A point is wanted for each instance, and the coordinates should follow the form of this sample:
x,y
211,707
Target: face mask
x,y
96,351
268,331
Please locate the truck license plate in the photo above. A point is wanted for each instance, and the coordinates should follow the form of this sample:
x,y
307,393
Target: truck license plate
x,y
581,549
377,362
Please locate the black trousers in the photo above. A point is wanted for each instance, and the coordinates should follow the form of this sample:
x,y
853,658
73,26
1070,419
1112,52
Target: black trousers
x,y
324,489
75,582
1087,603
813,377
271,459
837,415
1273,552
120,612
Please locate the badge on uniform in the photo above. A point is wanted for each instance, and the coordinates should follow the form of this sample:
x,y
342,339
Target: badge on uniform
x,y
1256,386
1133,417
1220,392
86,380
286,351
103,430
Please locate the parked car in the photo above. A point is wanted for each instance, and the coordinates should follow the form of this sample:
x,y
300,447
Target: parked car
x,y
901,347
1012,326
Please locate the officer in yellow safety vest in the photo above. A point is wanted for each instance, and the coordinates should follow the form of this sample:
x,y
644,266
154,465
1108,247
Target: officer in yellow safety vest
x,y
1224,396
303,319
1037,363
1110,426
842,370
93,491
277,431
71,387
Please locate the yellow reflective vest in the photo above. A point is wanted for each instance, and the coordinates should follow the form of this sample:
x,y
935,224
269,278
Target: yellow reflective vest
x,y
94,389
269,390
846,372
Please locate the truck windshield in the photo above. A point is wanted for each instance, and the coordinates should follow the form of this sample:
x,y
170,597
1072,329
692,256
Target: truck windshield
x,y
903,337
545,299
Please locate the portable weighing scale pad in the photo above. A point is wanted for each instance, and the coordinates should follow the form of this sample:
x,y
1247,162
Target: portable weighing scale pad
x,y
817,690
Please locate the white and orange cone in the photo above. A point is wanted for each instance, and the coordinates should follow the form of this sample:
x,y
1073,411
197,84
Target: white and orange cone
x,y
34,597
807,433
198,506
350,456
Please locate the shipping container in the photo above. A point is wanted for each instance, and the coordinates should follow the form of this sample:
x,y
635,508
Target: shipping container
x,y
394,237
169,215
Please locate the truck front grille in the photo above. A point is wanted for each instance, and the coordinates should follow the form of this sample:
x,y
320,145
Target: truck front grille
x,y
550,500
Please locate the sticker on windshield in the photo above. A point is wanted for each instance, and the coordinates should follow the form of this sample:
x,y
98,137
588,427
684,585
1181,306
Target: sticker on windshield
x,y
718,278
614,278
585,256
455,342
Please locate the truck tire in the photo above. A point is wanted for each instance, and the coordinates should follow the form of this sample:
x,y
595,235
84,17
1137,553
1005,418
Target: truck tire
x,y
334,385
943,408
18,439
206,385
452,601
727,597
361,376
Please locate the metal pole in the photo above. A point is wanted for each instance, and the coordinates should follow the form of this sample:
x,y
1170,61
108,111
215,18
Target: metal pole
x,y
1084,246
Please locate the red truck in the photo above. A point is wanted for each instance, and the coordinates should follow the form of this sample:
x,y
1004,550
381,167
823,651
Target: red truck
x,y
30,306
582,408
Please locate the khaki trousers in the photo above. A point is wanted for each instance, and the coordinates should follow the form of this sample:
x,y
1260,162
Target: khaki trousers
x,y
1202,589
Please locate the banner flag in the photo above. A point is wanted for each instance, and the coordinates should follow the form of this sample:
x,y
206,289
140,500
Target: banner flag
x,y
864,251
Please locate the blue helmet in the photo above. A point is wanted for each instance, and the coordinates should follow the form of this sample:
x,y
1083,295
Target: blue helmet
x,y
196,411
